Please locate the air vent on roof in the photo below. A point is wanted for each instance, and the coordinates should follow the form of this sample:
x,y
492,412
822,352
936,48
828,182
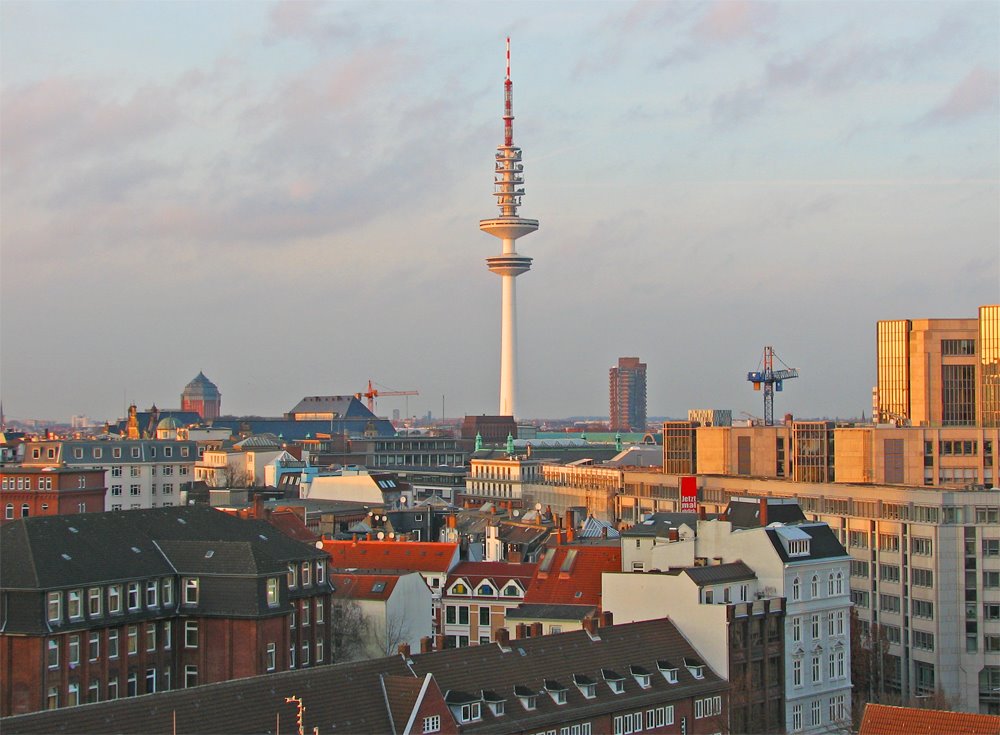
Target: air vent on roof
x,y
209,554
136,550
73,530
67,557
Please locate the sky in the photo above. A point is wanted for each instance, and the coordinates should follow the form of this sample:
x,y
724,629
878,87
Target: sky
x,y
286,196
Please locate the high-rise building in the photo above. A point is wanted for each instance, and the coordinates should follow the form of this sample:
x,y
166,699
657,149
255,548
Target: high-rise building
x,y
628,395
203,396
508,181
939,372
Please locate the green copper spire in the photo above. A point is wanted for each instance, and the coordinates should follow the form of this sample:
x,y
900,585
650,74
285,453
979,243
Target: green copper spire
x,y
618,441
510,443
479,441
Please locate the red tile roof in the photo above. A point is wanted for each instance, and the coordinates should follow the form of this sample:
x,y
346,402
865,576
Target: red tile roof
x,y
291,524
580,584
363,586
417,556
475,572
880,719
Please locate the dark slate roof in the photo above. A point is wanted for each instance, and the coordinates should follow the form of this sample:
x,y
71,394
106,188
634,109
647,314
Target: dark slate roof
x,y
220,557
718,573
530,662
340,406
551,612
657,524
823,543
134,544
291,430
745,512
201,387
186,418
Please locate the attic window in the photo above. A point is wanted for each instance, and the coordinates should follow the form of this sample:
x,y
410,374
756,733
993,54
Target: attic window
x,y
556,690
136,550
182,521
641,676
615,680
529,700
209,554
73,530
262,537
378,587
695,667
67,557
798,547
586,685
668,670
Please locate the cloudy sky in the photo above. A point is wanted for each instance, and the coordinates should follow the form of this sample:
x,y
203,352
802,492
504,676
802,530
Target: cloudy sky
x,y
287,196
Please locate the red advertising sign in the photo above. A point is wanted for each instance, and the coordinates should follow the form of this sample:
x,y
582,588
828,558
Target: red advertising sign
x,y
689,494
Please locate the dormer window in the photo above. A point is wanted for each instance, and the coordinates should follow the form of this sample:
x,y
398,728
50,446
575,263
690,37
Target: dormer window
x,y
641,676
471,712
486,590
695,667
668,670
528,698
511,590
465,707
460,589
586,685
495,702
616,682
556,690
798,547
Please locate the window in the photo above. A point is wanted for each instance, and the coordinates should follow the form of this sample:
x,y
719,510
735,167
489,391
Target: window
x,y
113,688
889,603
796,717
74,606
921,546
94,646
923,609
321,572
151,636
840,622
305,653
291,656
815,714
167,588
888,542
116,489
796,589
888,572
272,592
133,595
73,698
190,590
55,607
190,676
991,547
292,576
922,577
52,655
190,633
796,629
306,574
432,724
112,644
706,707
167,635
923,640
94,691
52,698
797,672
115,599
9,512
814,586
471,712
306,608
152,588
94,602
73,651
484,616
816,673
991,580
814,626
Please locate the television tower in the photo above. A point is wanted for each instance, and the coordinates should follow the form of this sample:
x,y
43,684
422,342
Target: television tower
x,y
508,181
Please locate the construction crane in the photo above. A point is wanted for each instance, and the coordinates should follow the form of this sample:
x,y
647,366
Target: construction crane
x,y
372,393
771,380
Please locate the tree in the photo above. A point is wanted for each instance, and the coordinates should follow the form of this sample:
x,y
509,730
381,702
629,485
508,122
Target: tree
x,y
870,663
386,635
350,631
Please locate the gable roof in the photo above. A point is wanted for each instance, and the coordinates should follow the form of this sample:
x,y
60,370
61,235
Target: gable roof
x,y
499,572
571,575
881,719
744,512
363,586
418,556
823,543
717,573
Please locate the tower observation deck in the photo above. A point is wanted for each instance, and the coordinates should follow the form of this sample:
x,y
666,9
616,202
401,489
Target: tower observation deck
x,y
508,183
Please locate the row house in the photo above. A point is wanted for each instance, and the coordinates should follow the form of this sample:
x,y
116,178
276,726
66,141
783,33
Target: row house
x,y
625,679
477,597
106,605
139,473
35,491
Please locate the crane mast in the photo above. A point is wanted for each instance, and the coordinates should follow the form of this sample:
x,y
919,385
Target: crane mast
x,y
770,380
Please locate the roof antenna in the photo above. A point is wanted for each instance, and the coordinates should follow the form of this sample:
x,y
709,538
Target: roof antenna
x,y
508,104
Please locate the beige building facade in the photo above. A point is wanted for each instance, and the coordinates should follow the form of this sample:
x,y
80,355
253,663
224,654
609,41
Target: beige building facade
x,y
939,372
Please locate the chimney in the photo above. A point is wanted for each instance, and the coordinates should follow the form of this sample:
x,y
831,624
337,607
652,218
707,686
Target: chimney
x,y
701,513
368,536
608,619
439,642
536,630
502,637
604,531
519,631
404,650
673,535
763,511
452,521
258,506
426,644
569,535
514,557
590,625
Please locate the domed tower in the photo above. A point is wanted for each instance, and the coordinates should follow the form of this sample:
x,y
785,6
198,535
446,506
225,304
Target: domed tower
x,y
202,396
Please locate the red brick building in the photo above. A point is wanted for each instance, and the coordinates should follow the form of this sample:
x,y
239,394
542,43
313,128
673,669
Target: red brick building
x,y
26,492
107,605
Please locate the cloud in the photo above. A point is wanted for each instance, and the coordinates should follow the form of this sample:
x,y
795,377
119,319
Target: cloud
x,y
306,19
733,20
977,93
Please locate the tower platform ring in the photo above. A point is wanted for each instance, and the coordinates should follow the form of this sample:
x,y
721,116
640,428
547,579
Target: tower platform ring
x,y
508,265
508,228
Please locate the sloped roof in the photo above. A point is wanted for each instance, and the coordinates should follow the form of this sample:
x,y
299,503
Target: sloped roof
x,y
744,512
401,695
363,586
573,575
200,386
823,543
882,719
512,532
594,528
718,573
475,572
417,556
342,406
551,612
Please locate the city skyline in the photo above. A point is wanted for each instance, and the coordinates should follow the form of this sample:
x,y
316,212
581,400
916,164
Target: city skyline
x,y
287,196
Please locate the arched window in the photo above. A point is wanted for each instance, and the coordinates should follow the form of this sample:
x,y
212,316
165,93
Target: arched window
x,y
814,586
796,589
829,586
840,583
25,510
485,589
460,589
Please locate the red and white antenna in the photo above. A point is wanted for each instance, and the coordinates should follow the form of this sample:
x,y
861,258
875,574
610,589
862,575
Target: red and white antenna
x,y
508,104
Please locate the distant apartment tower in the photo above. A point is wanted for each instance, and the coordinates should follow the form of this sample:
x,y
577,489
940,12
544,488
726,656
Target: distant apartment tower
x,y
203,396
939,372
628,395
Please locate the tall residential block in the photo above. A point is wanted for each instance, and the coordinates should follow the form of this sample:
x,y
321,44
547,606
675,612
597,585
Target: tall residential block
x,y
939,372
628,395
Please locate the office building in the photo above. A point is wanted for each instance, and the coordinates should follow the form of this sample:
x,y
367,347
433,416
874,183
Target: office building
x,y
627,387
939,372
47,491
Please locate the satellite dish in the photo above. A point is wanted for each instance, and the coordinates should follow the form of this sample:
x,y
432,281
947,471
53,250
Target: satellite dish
x,y
381,535
319,544
370,513
538,506
392,535
517,513
402,499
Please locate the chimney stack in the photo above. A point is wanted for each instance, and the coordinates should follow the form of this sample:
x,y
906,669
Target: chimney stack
x,y
763,511
536,630
702,515
604,531
426,644
673,534
590,625
519,631
608,619
404,650
502,637
569,535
